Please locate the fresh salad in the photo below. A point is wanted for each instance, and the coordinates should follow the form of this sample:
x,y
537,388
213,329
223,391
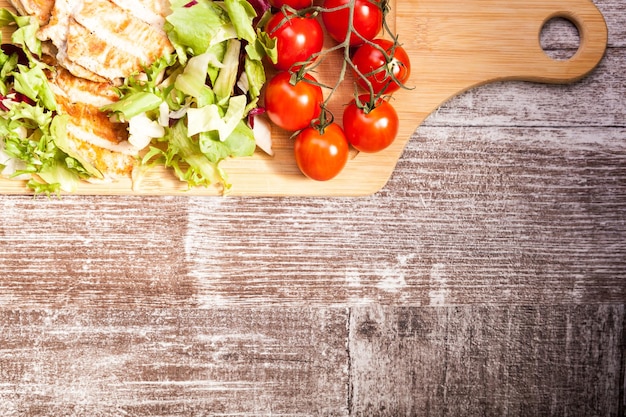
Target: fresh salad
x,y
190,109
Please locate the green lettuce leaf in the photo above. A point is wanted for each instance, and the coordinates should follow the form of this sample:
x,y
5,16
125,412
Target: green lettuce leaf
x,y
25,35
193,29
239,143
184,156
209,118
133,104
241,15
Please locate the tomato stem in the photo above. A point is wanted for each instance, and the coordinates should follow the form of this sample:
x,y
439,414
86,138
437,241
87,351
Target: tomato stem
x,y
299,69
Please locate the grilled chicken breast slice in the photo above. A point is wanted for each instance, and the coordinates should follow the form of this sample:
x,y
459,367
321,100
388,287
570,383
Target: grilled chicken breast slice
x,y
103,39
80,90
40,9
111,42
91,133
56,33
150,11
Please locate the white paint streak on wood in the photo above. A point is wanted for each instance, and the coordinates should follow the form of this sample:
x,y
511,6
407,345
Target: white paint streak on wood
x,y
439,287
147,362
393,278
353,278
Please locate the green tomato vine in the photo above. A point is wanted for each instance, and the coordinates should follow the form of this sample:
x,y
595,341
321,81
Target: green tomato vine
x,y
344,47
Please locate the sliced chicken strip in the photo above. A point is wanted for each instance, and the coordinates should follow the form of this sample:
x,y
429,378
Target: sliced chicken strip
x,y
93,136
40,9
150,11
56,28
50,50
54,35
117,27
113,165
80,90
90,132
98,39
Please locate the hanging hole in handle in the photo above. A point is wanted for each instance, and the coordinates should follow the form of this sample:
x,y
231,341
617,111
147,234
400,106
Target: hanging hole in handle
x,y
560,38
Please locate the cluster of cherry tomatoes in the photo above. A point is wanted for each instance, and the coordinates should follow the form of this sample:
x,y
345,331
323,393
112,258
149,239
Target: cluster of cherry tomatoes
x,y
294,99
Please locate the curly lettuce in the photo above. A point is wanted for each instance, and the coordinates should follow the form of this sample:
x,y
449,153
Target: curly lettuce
x,y
32,135
201,95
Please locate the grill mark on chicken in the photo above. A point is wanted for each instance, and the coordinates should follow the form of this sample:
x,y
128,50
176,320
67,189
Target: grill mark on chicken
x,y
75,89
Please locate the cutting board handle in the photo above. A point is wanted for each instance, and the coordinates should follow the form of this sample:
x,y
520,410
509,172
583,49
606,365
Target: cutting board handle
x,y
456,45
512,44
593,33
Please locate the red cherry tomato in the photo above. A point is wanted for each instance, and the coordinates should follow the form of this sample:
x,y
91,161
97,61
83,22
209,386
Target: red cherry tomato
x,y
367,20
321,156
297,39
373,64
292,107
296,4
370,131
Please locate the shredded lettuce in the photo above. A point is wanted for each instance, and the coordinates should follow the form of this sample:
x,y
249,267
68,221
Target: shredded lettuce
x,y
217,49
193,29
192,81
32,133
209,118
199,96
184,156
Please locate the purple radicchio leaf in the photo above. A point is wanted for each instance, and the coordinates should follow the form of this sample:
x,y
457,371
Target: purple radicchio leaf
x,y
253,113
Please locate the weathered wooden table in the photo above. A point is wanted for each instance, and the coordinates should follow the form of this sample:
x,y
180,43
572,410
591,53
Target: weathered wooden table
x,y
488,278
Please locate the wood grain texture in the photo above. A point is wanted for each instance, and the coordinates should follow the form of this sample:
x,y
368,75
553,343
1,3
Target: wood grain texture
x,y
481,221
487,278
487,361
173,362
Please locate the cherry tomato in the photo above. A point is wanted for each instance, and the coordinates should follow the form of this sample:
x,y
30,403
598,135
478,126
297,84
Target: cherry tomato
x,y
370,131
321,156
292,107
373,64
296,4
367,20
297,39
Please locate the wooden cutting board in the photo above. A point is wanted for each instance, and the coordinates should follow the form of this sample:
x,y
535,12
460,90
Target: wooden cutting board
x,y
454,45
